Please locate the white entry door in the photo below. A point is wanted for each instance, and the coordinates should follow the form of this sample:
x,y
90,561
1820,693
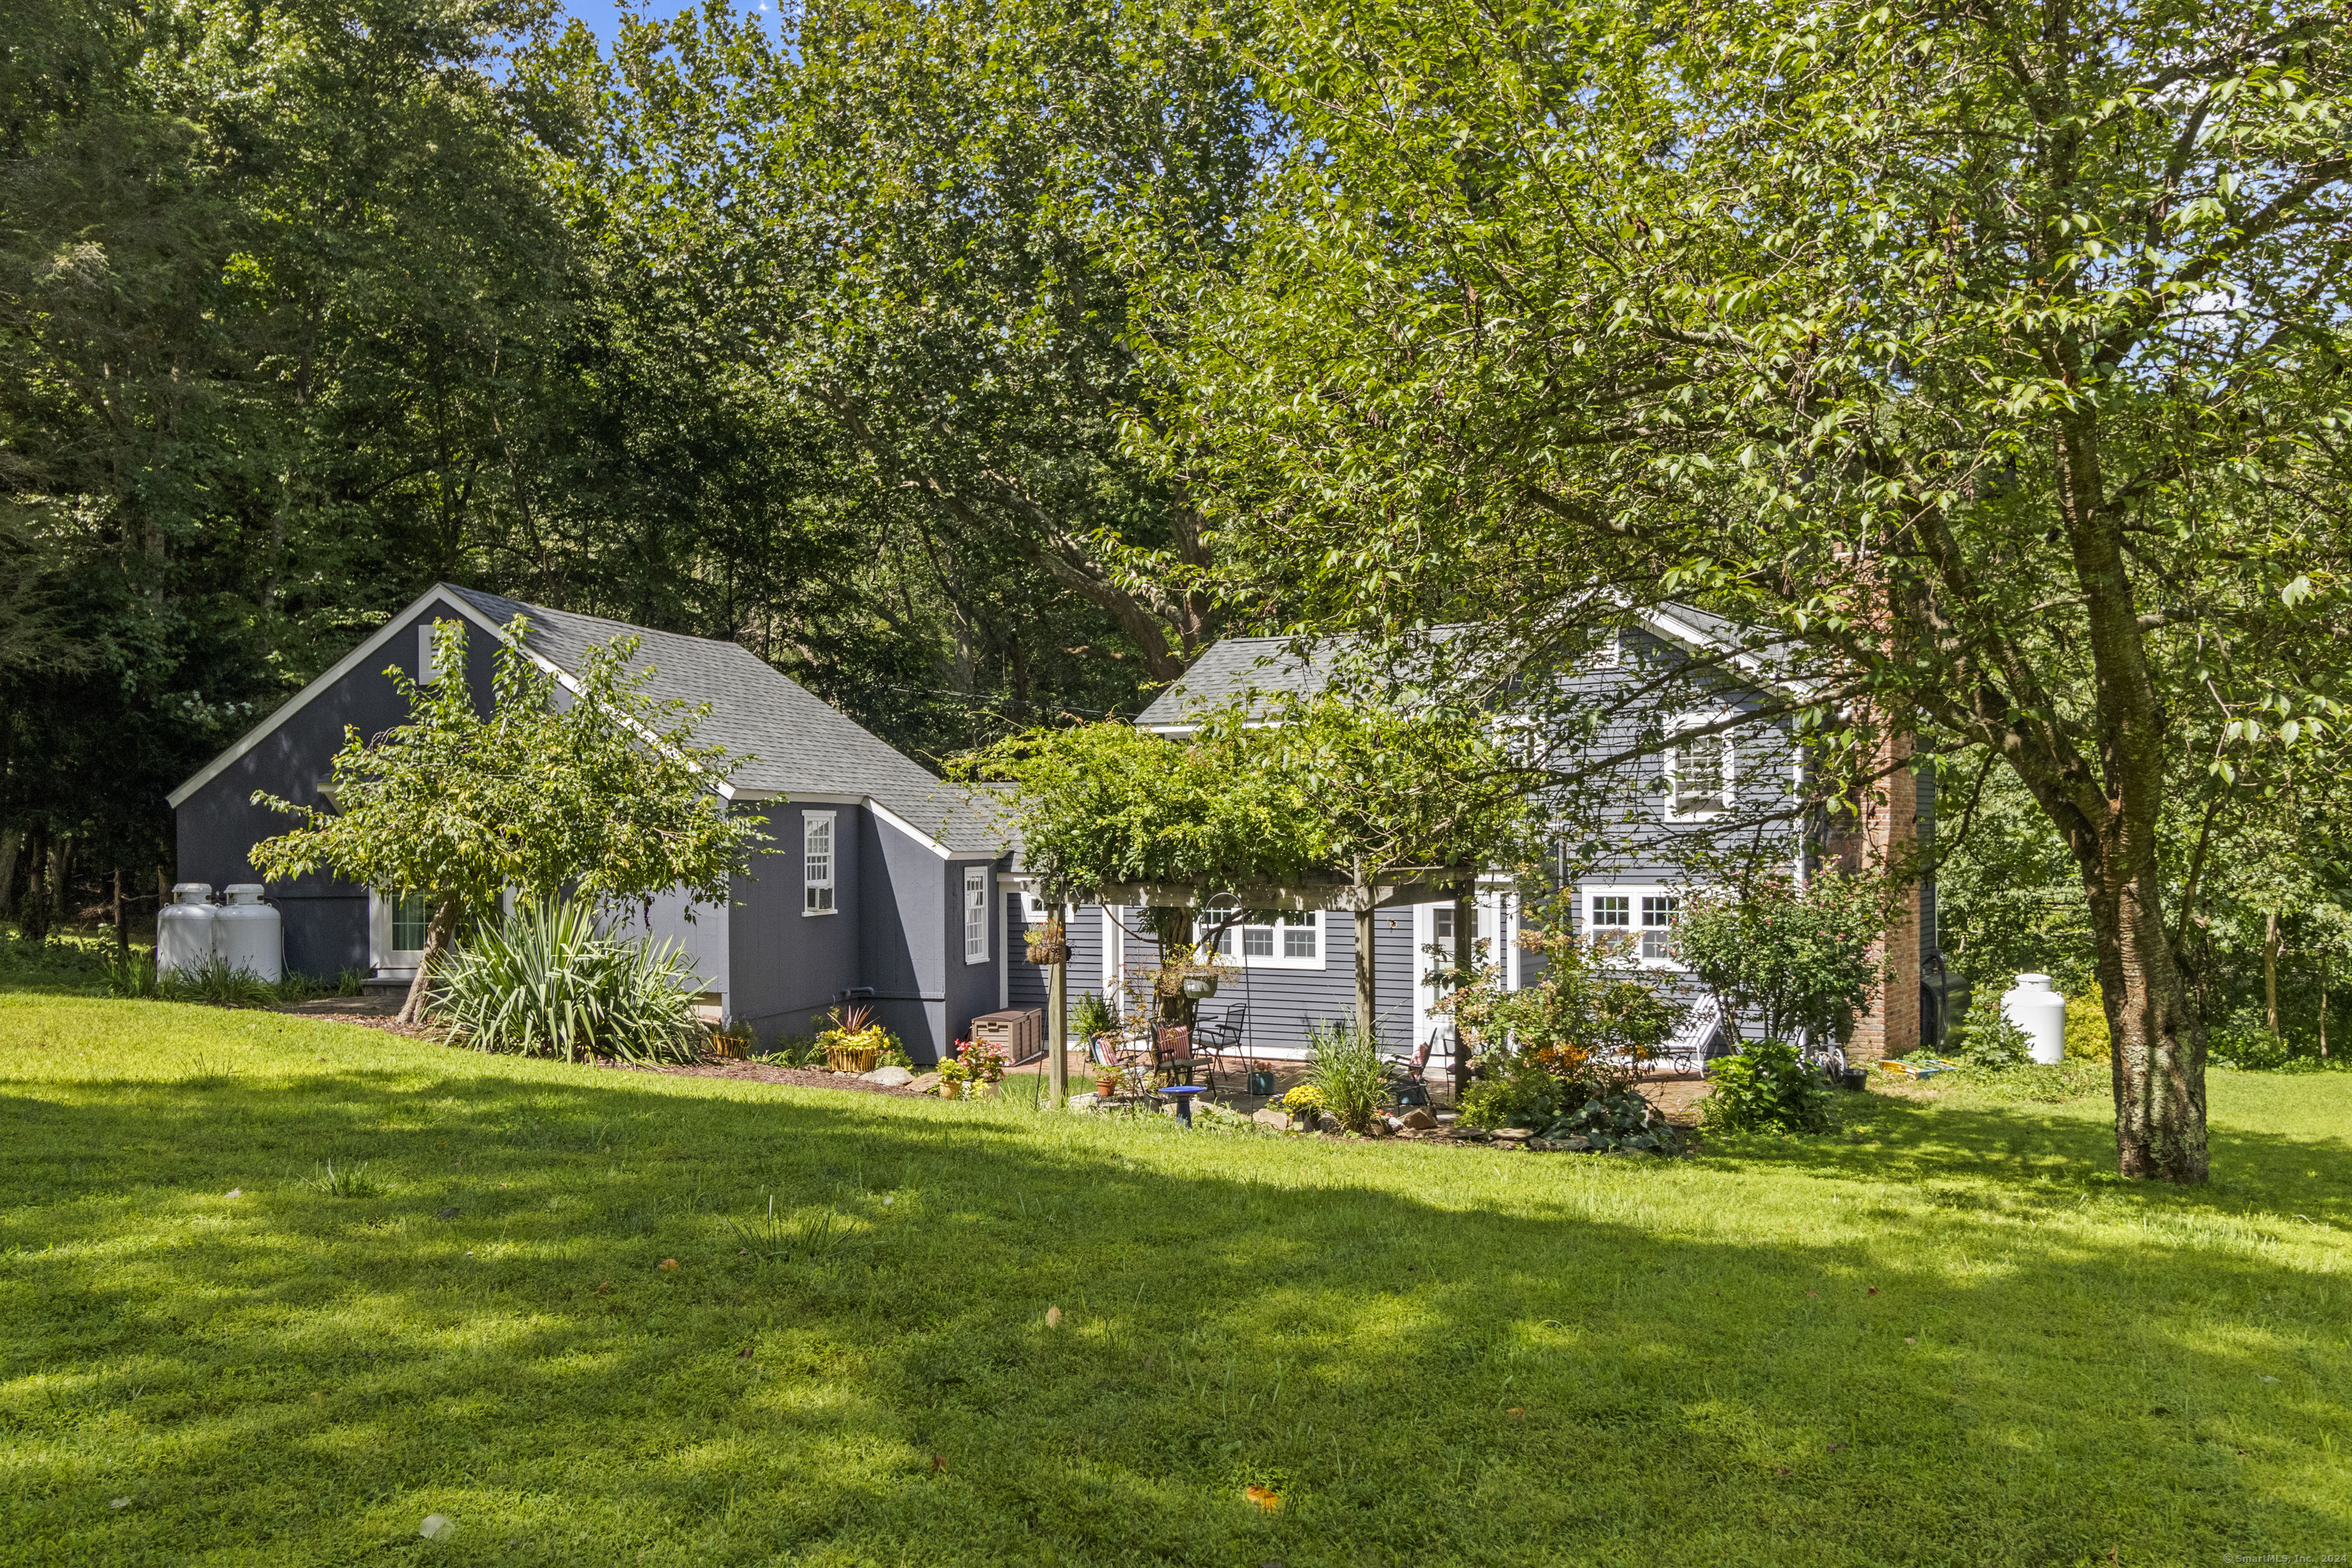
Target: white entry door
x,y
1433,926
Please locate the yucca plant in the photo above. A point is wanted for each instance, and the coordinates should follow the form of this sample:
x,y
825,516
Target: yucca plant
x,y
547,980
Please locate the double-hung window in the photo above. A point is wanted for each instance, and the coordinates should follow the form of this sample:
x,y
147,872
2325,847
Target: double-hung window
x,y
1273,939
412,917
816,862
975,914
1698,777
1659,913
1639,921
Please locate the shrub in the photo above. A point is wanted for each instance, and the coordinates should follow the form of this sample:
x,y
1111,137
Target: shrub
x,y
1091,1017
1589,1020
1527,1095
2086,1026
1785,957
1988,1041
546,980
2243,1040
1621,1122
1347,1068
1767,1087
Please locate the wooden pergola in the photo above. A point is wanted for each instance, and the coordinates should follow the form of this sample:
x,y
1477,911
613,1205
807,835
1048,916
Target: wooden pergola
x,y
1361,896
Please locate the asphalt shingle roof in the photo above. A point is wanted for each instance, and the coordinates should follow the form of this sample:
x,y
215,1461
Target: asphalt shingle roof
x,y
799,743
1235,665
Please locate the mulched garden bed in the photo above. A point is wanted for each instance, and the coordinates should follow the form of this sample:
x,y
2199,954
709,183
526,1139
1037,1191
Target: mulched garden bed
x,y
763,1072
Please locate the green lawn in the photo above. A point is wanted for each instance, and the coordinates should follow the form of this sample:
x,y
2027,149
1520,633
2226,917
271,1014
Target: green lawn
x,y
1941,1337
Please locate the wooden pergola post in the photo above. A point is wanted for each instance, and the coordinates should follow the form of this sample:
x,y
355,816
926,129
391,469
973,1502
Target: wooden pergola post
x,y
1465,953
1367,995
1057,1016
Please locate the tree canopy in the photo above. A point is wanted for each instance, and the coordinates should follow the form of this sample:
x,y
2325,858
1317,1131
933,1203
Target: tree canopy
x,y
1989,358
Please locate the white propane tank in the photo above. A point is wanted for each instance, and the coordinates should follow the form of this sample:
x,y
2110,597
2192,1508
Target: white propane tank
x,y
247,932
184,930
2040,1012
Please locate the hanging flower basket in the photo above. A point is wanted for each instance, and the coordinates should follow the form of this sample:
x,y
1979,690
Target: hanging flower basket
x,y
1170,980
1051,944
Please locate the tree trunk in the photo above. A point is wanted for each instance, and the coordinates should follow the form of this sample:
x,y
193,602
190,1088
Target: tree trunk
x,y
2157,1053
33,918
2270,969
11,840
121,920
1173,929
439,937
2110,820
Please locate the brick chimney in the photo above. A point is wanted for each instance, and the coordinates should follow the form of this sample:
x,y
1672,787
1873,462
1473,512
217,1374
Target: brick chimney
x,y
1887,833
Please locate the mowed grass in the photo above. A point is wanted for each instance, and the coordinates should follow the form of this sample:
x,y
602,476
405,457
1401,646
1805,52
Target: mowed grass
x,y
1938,1337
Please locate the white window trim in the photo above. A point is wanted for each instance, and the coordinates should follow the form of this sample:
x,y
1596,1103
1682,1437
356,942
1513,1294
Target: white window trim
x,y
1239,960
976,877
1673,761
1632,893
831,883
388,961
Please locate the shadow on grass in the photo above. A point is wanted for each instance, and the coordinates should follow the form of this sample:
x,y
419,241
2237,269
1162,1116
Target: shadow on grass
x,y
2030,1148
1428,1354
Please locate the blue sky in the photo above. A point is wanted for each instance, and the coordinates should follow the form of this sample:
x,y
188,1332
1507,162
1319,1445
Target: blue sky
x,y
603,16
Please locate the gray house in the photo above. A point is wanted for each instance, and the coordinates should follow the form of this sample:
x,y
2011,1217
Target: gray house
x,y
1668,672
888,888
882,889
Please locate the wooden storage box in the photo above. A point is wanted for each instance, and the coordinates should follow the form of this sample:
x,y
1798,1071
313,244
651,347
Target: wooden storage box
x,y
1019,1033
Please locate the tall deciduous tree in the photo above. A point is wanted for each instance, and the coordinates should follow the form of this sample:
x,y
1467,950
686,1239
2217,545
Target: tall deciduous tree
x,y
921,225
1992,355
604,798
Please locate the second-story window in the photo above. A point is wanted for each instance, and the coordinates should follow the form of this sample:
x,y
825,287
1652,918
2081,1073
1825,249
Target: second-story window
x,y
1698,774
